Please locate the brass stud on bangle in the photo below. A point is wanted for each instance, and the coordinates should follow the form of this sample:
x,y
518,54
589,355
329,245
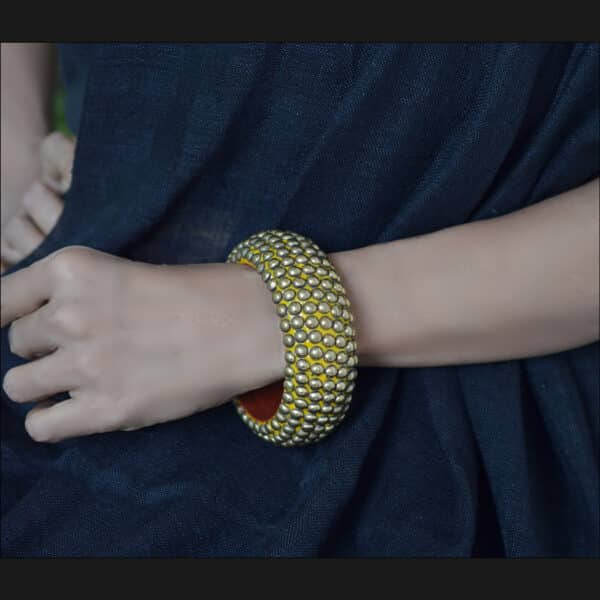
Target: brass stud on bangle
x,y
319,341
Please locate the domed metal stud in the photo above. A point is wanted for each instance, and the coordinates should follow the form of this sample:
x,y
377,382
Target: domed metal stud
x,y
297,322
294,308
329,341
331,371
309,308
301,350
300,335
289,294
340,341
312,322
323,307
316,352
338,326
315,337
325,322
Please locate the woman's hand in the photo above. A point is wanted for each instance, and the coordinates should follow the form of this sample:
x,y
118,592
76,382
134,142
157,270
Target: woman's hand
x,y
135,344
42,204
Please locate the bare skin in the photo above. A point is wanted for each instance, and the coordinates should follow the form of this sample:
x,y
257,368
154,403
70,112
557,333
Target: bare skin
x,y
41,204
138,344
28,77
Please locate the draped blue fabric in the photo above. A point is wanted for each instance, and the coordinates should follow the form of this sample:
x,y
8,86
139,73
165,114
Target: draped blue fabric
x,y
184,150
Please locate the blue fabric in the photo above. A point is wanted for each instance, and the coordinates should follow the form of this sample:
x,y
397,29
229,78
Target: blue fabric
x,y
185,150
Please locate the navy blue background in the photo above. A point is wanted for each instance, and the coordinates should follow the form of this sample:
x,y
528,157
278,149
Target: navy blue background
x,y
185,150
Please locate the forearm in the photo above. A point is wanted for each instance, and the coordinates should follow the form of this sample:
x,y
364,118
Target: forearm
x,y
519,285
28,77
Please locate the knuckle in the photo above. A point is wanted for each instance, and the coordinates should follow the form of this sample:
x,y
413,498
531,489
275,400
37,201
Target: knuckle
x,y
89,366
69,319
71,262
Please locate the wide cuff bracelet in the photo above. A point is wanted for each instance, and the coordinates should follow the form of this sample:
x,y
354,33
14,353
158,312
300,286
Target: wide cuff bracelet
x,y
318,341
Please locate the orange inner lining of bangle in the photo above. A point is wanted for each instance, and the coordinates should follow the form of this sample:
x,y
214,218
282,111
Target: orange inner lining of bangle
x,y
262,403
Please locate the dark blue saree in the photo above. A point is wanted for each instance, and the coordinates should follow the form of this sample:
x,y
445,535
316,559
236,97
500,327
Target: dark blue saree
x,y
185,150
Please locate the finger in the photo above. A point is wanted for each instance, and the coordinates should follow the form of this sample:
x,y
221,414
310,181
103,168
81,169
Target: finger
x,y
24,291
43,206
32,335
70,418
57,153
9,255
22,235
53,374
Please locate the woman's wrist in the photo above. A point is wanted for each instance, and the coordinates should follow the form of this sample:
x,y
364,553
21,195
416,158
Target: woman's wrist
x,y
362,272
259,348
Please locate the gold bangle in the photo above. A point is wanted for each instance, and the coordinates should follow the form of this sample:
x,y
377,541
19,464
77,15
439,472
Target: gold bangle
x,y
318,337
